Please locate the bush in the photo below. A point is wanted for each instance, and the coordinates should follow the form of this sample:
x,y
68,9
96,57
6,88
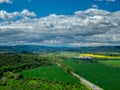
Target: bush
x,y
11,75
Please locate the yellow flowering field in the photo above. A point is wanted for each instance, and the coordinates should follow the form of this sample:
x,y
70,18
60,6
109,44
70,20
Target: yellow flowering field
x,y
99,56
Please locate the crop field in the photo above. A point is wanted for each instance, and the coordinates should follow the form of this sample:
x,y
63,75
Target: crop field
x,y
102,75
51,73
100,56
115,63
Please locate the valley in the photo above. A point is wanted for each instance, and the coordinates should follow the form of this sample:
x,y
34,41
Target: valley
x,y
61,70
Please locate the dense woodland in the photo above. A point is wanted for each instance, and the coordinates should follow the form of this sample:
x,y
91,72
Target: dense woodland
x,y
17,62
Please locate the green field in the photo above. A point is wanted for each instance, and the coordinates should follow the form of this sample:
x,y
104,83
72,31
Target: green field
x,y
115,63
102,75
51,73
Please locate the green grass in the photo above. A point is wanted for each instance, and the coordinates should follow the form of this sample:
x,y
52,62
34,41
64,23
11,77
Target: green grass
x,y
51,73
102,75
115,63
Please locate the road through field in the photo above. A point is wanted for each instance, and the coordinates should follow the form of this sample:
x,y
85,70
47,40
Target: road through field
x,y
86,82
83,80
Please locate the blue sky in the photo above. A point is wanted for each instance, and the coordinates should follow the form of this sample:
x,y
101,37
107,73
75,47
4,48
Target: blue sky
x,y
64,7
60,22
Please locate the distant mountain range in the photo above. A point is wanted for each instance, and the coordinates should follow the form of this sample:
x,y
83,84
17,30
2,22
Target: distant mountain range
x,y
44,49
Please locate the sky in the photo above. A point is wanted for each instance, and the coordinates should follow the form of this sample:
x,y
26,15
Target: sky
x,y
60,22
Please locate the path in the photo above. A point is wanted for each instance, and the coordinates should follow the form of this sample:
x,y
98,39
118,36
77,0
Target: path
x,y
86,82
83,80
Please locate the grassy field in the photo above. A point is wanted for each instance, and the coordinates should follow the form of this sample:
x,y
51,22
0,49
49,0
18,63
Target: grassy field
x,y
114,63
102,75
50,72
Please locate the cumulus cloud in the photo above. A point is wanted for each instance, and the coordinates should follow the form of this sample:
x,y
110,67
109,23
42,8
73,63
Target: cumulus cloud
x,y
92,27
7,16
25,12
95,6
5,1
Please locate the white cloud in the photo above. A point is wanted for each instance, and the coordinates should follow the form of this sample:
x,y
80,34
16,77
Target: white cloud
x,y
5,1
25,12
7,16
95,6
4,15
92,27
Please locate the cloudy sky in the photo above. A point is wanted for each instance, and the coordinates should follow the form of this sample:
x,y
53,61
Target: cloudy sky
x,y
60,22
